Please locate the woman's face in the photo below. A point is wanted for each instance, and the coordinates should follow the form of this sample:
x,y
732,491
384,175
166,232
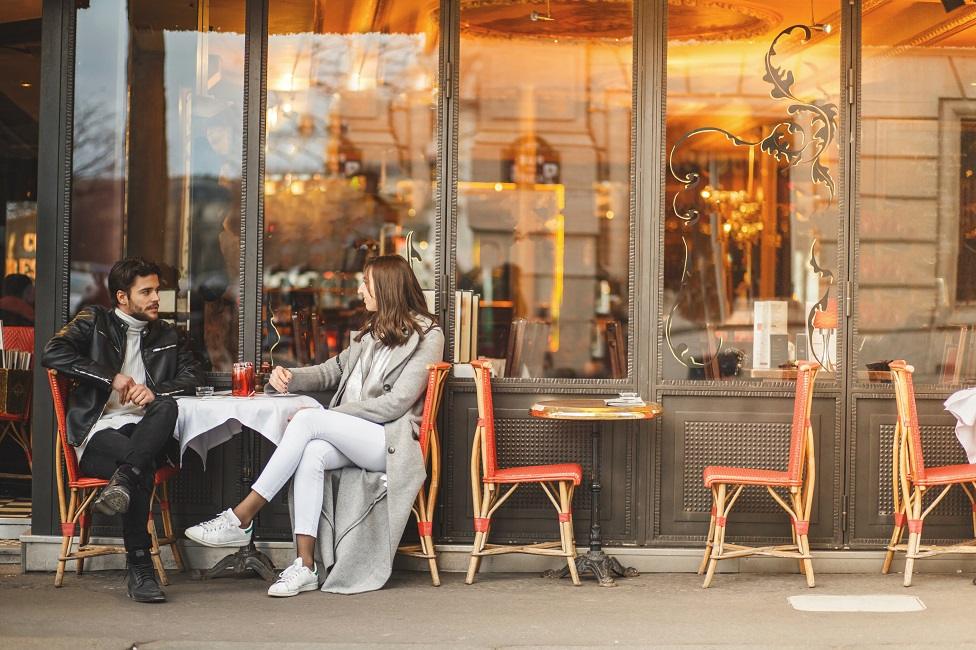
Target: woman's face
x,y
366,291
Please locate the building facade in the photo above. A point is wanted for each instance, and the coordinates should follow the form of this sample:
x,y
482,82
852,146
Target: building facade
x,y
677,198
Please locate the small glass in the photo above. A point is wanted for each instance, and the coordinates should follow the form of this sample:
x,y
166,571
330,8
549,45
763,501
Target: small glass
x,y
205,391
242,379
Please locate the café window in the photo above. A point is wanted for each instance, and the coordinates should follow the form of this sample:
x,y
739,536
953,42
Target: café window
x,y
752,181
916,268
350,163
156,158
544,206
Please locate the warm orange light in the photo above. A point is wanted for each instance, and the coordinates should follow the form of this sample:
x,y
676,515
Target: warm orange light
x,y
827,320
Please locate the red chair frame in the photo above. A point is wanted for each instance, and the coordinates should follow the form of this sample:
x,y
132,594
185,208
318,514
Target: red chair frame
x,y
74,508
430,447
799,479
911,478
487,479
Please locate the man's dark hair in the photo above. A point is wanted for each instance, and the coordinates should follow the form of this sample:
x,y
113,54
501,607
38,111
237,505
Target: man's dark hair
x,y
124,273
16,284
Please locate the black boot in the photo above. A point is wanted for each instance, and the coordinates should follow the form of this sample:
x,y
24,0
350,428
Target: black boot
x,y
114,497
142,585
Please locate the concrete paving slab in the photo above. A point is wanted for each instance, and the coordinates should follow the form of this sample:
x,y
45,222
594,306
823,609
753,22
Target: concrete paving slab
x,y
499,611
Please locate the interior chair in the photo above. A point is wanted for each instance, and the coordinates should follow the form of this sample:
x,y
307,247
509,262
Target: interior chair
x,y
488,482
430,447
15,422
911,479
727,483
76,495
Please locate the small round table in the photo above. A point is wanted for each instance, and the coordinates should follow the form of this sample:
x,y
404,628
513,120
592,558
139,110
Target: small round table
x,y
600,564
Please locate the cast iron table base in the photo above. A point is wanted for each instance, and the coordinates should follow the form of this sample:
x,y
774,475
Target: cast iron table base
x,y
247,558
601,565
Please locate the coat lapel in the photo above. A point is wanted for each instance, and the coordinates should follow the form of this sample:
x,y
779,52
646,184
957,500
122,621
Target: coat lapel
x,y
355,350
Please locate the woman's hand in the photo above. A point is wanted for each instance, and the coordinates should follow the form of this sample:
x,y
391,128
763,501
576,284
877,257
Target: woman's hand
x,y
280,377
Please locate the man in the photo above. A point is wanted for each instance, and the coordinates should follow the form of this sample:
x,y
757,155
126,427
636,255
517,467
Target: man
x,y
122,414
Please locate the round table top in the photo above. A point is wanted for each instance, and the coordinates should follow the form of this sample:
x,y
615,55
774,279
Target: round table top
x,y
592,409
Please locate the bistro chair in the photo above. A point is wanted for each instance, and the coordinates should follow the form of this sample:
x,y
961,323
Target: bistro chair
x,y
13,424
911,478
74,508
487,479
798,480
430,447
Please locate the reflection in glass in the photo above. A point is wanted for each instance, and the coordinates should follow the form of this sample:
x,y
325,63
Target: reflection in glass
x,y
350,163
751,191
916,268
156,167
20,75
543,197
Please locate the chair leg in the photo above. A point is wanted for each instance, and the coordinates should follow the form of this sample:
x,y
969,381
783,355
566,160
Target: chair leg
x,y
164,512
154,543
84,536
435,577
709,540
720,515
66,539
807,563
475,563
896,534
566,530
914,537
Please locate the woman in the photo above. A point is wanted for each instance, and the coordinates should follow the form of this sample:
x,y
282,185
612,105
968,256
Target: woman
x,y
356,517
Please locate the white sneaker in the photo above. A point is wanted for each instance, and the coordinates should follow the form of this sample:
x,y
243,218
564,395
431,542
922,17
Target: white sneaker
x,y
294,580
224,530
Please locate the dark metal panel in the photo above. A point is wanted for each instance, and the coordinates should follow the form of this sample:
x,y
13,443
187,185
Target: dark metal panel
x,y
744,432
524,440
252,181
52,272
870,487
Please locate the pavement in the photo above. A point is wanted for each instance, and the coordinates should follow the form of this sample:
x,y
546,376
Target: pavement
x,y
499,611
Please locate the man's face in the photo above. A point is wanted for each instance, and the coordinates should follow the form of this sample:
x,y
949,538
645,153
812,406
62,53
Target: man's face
x,y
142,300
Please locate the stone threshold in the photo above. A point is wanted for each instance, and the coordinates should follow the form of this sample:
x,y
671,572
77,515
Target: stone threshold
x,y
40,553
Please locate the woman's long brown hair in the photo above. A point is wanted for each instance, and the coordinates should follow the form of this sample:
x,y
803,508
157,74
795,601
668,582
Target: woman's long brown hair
x,y
399,302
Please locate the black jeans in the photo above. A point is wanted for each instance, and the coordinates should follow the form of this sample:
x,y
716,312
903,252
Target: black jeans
x,y
145,445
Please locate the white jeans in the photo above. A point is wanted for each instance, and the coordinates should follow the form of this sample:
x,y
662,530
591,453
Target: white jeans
x,y
317,440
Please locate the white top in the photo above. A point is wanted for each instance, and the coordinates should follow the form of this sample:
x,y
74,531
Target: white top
x,y
962,404
368,370
116,415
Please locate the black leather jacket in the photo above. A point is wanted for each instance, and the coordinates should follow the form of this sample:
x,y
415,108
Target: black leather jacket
x,y
90,349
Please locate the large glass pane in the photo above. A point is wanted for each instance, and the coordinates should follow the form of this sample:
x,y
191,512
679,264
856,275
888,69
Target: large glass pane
x,y
350,162
916,263
544,187
156,170
752,179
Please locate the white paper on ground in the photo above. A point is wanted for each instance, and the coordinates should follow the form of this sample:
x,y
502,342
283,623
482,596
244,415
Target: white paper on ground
x,y
862,603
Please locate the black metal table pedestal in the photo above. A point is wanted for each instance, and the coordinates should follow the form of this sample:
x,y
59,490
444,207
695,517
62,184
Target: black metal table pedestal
x,y
247,558
601,565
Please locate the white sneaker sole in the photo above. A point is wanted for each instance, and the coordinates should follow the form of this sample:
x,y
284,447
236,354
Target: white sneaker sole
x,y
228,544
309,587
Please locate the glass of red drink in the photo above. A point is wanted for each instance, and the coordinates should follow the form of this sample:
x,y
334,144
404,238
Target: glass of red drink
x,y
242,379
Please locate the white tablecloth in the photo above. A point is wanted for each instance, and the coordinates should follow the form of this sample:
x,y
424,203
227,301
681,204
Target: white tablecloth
x,y
205,422
962,404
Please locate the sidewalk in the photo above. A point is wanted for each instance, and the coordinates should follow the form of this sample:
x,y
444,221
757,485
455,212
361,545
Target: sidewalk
x,y
499,611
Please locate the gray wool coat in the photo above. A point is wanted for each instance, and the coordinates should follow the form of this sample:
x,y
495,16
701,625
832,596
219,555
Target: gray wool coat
x,y
363,516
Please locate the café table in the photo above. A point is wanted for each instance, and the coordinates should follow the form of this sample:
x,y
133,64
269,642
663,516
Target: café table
x,y
206,422
596,412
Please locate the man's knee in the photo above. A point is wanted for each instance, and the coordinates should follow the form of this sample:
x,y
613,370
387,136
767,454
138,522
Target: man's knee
x,y
164,406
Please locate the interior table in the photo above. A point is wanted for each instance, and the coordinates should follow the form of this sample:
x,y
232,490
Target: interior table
x,y
206,422
595,411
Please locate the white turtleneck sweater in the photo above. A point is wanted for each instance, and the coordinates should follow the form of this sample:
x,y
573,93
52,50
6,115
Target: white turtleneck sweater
x,y
115,414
